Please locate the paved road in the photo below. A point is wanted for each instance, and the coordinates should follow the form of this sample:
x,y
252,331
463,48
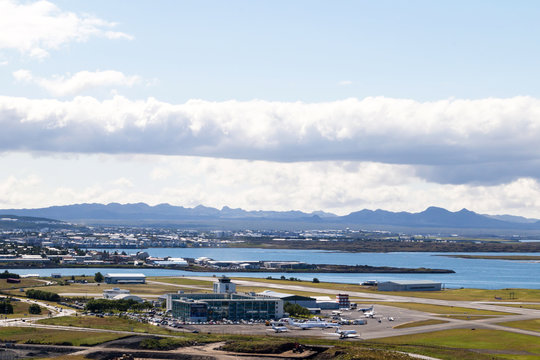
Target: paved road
x,y
521,314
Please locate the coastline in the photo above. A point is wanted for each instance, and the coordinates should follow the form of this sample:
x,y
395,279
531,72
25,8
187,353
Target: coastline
x,y
322,268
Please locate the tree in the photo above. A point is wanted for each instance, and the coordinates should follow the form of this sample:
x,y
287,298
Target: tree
x,y
296,310
6,274
6,307
98,277
34,309
42,295
315,280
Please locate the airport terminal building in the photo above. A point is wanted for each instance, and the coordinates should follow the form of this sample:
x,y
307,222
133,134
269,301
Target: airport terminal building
x,y
215,307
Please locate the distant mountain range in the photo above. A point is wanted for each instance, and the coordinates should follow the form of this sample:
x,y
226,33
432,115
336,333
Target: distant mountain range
x,y
432,217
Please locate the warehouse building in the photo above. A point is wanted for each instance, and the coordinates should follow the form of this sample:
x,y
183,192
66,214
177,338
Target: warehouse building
x,y
111,293
216,307
125,278
406,285
304,301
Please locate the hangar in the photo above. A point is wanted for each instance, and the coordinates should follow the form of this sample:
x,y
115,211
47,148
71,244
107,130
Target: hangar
x,y
409,285
125,278
304,301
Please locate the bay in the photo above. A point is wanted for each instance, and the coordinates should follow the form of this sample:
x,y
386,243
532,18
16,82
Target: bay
x,y
470,273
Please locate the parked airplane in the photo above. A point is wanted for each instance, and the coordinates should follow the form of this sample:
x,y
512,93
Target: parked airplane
x,y
344,334
370,314
366,309
311,324
278,329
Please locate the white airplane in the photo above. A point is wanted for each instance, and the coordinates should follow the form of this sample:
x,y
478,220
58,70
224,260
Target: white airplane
x,y
344,334
370,314
366,309
311,324
278,329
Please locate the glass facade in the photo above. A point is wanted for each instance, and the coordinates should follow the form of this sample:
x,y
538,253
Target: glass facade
x,y
234,307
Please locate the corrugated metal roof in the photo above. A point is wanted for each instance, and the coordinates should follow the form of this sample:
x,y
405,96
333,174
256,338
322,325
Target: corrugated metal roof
x,y
126,275
412,282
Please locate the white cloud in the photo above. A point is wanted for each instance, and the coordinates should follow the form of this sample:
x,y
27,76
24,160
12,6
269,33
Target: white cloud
x,y
452,141
15,190
78,82
35,28
336,186
123,182
345,83
160,173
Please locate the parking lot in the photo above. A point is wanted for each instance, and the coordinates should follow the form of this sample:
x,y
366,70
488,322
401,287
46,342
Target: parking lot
x,y
385,318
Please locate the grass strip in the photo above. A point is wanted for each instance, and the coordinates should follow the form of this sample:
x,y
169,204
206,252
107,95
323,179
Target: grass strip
x,y
106,323
479,339
420,323
28,335
441,309
532,325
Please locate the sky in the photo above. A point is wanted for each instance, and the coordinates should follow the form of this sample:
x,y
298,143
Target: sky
x,y
274,105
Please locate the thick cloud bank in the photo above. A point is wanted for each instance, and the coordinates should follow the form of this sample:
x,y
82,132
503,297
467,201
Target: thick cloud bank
x,y
447,140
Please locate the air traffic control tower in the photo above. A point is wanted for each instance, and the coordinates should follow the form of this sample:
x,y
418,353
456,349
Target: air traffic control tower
x,y
224,286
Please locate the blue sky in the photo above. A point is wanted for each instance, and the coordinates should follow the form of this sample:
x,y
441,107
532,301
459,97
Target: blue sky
x,y
310,105
302,50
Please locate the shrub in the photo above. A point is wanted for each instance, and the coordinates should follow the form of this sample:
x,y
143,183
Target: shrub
x,y
34,309
295,310
103,305
42,295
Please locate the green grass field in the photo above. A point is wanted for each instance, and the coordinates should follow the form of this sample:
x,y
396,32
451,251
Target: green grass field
x,y
343,350
468,317
508,345
320,285
67,357
27,282
420,323
532,295
261,289
20,310
181,281
533,325
27,335
93,288
526,306
440,309
107,323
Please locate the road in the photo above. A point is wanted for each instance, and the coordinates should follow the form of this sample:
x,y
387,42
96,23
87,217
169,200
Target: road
x,y
375,329
521,314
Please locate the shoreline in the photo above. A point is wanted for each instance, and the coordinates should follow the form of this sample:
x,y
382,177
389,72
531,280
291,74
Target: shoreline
x,y
322,268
